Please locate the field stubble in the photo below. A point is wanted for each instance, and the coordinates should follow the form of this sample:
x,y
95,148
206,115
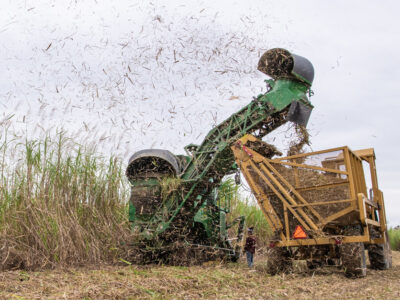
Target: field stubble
x,y
211,280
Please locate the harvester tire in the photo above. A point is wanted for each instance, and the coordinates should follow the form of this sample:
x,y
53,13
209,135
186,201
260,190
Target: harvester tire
x,y
236,255
353,255
279,261
380,255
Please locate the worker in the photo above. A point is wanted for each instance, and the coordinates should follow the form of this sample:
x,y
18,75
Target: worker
x,y
250,247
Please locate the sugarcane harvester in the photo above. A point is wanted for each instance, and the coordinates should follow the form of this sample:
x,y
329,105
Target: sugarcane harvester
x,y
174,201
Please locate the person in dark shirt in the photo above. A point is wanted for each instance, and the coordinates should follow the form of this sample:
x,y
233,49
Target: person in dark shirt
x,y
250,247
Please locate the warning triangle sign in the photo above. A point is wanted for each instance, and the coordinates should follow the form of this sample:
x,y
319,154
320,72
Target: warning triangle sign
x,y
299,233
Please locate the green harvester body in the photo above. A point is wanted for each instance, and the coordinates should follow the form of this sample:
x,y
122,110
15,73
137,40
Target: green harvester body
x,y
177,197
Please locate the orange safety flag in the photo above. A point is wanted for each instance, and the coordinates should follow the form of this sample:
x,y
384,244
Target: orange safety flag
x,y
299,233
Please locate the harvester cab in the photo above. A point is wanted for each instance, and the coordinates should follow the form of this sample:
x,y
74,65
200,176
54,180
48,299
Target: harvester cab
x,y
175,206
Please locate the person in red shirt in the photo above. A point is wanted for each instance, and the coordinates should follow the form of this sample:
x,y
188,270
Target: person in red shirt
x,y
250,246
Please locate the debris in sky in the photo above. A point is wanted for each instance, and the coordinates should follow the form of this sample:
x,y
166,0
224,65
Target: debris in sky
x,y
130,67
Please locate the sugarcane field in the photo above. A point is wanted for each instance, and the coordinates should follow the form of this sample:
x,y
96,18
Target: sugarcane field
x,y
199,150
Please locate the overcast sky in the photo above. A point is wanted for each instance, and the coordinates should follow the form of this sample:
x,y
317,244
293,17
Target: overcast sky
x,y
128,76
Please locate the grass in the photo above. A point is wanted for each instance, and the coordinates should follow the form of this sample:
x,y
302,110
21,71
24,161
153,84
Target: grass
x,y
60,204
63,205
394,237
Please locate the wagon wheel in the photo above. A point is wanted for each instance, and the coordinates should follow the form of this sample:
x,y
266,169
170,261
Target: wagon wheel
x,y
314,264
279,261
353,255
380,255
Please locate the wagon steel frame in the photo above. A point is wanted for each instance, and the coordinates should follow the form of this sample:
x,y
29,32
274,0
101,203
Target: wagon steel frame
x,y
364,211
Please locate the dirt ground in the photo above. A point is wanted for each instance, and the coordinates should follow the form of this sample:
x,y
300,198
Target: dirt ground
x,y
213,280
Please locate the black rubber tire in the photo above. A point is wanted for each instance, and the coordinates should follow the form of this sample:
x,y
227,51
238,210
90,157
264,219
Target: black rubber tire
x,y
314,264
353,255
380,255
236,254
279,261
